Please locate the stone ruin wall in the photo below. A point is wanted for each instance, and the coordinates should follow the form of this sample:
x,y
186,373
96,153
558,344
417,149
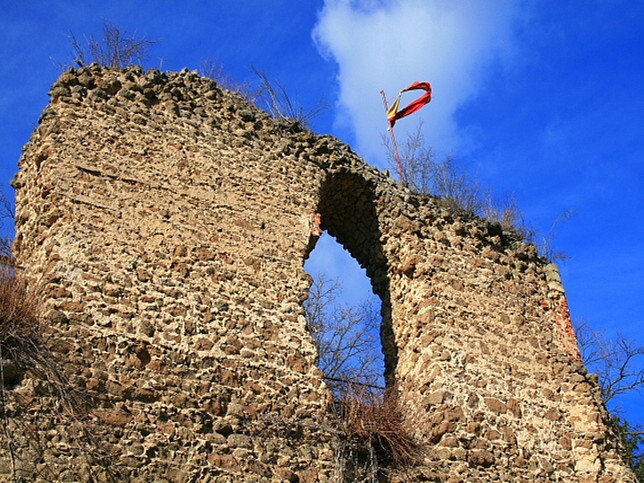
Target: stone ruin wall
x,y
168,222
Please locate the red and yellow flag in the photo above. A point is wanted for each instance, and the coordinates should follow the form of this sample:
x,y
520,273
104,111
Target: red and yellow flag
x,y
394,114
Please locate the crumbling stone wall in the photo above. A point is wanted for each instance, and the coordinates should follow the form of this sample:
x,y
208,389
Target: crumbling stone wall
x,y
168,222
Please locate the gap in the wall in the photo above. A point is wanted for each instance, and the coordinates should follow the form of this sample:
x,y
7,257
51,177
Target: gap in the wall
x,y
351,313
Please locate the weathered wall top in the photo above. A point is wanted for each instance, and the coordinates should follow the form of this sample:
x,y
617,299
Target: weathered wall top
x,y
169,221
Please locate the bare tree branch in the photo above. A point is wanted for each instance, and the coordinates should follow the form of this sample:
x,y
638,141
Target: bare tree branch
x,y
7,216
545,244
346,337
619,366
619,363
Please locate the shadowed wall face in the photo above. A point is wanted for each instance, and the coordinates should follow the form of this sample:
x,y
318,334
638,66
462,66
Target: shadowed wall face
x,y
169,221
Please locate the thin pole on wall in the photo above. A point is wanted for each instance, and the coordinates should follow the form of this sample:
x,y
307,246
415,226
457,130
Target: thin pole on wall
x,y
393,142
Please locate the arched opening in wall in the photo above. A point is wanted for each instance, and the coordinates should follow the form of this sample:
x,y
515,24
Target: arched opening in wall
x,y
350,325
343,317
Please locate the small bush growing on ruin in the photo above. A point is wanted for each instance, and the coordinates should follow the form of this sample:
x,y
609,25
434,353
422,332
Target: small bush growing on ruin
x,y
423,173
116,48
374,433
274,99
19,320
458,188
214,70
19,314
22,349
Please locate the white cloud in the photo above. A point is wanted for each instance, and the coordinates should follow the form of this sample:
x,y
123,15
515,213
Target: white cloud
x,y
389,44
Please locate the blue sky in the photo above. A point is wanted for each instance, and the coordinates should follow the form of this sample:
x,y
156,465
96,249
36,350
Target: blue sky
x,y
539,98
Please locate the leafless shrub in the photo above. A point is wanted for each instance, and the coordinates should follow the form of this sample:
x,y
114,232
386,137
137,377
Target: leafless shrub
x,y
211,68
458,188
453,183
19,314
544,244
618,363
374,433
346,337
619,366
24,349
508,214
7,216
116,48
276,101
417,160
424,174
19,328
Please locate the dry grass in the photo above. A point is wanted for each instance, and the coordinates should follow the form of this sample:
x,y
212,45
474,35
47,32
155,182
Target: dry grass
x,y
19,313
19,329
23,349
375,434
22,344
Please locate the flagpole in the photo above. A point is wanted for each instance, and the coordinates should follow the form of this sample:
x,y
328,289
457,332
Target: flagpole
x,y
393,142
